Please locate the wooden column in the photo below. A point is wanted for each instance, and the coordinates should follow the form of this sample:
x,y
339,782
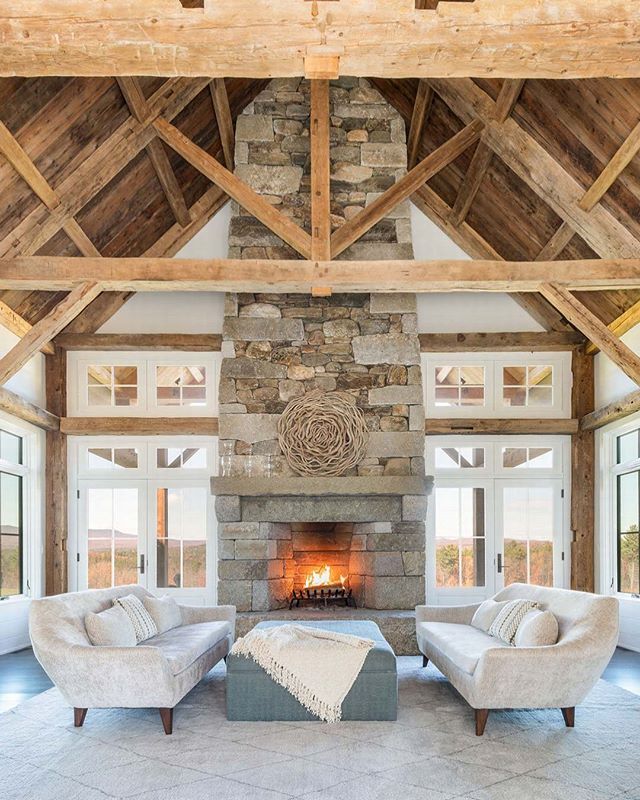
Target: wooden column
x,y
56,520
582,476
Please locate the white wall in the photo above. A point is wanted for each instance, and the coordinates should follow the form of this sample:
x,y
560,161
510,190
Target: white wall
x,y
611,382
29,381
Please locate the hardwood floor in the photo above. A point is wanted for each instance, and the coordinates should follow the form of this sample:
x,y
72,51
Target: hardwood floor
x,y
21,677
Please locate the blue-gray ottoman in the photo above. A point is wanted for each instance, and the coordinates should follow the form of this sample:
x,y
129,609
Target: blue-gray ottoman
x,y
253,696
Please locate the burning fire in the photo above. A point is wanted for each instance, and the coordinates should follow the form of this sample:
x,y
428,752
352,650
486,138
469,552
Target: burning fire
x,y
322,577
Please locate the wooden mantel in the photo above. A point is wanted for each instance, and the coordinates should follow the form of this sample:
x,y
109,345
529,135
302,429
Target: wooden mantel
x,y
269,38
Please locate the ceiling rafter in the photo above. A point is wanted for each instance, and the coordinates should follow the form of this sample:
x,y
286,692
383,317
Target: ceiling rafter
x,y
224,119
421,109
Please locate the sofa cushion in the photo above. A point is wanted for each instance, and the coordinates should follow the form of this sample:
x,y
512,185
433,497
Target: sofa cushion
x,y
537,629
165,612
110,628
184,645
462,644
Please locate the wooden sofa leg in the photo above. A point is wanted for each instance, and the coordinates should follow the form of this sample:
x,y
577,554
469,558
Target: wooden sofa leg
x,y
78,717
425,662
569,715
166,715
482,715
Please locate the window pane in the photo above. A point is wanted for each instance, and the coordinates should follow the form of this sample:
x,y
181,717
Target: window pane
x,y
10,447
181,537
460,526
447,396
540,396
628,501
527,457
472,396
99,566
10,534
125,395
628,447
99,395
125,376
112,515
459,457
10,503
528,534
10,566
187,458
514,376
112,458
447,376
514,396
194,395
168,396
125,457
629,563
99,376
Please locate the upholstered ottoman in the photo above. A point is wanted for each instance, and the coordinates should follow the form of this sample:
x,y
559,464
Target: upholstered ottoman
x,y
253,696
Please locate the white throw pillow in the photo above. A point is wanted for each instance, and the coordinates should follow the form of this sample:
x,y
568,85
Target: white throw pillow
x,y
505,625
537,629
486,613
165,612
110,628
141,619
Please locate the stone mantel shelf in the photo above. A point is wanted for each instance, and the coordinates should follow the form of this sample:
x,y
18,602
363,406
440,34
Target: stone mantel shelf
x,y
392,485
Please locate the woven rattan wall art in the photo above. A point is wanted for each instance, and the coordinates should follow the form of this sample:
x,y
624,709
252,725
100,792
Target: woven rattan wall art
x,y
323,433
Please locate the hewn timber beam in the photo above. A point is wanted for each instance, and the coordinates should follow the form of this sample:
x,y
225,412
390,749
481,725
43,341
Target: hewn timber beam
x,y
627,320
594,329
498,427
610,174
499,342
19,326
320,191
190,342
60,273
243,194
612,412
224,120
357,226
268,38
29,412
139,426
421,109
45,330
556,243
138,106
582,475
507,98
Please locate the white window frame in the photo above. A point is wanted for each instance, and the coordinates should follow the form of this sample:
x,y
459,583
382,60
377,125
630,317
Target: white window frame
x,y
78,363
492,477
33,504
494,406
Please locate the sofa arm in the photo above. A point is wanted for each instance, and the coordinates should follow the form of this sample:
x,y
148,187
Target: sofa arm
x,y
191,615
459,614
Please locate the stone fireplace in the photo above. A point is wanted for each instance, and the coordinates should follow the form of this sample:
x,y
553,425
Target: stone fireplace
x,y
273,531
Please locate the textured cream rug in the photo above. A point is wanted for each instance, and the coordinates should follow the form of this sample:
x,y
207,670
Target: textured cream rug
x,y
318,667
430,753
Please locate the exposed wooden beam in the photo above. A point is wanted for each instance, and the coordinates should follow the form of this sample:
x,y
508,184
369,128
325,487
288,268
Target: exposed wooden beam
x,y
357,226
610,174
99,311
594,329
56,479
498,342
15,405
220,100
498,427
556,243
138,106
320,191
421,109
629,319
59,273
139,426
45,330
582,476
191,342
243,194
254,38
13,322
612,412
507,98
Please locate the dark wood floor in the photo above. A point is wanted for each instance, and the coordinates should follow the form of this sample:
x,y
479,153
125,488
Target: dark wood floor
x,y
22,677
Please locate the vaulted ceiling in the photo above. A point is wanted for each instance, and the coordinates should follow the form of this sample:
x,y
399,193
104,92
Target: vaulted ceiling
x,y
520,197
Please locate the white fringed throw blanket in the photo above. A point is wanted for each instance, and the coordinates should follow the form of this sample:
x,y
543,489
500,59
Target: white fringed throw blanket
x,y
317,666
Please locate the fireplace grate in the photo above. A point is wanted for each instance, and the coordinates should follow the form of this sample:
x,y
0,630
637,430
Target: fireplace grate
x,y
322,596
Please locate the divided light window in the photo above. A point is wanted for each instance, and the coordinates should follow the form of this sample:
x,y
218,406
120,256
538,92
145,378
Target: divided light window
x,y
181,385
11,515
109,385
459,386
628,512
527,386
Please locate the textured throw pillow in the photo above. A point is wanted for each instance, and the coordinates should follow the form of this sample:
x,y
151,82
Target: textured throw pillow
x,y
537,629
165,612
486,613
141,619
507,621
110,628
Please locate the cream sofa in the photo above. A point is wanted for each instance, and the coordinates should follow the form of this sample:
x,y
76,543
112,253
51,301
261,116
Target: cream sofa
x,y
157,673
491,674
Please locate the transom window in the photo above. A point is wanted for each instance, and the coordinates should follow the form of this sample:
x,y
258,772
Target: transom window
x,y
112,458
527,457
181,386
459,457
112,385
459,386
527,386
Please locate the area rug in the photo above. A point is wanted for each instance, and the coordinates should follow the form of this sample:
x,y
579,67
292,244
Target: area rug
x,y
430,753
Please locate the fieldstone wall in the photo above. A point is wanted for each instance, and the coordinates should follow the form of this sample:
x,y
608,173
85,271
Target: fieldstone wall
x,y
278,347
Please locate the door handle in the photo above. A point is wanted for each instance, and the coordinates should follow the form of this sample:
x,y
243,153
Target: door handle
x,y
499,562
141,567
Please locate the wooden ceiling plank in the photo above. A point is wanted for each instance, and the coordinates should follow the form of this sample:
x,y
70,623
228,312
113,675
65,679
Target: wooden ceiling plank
x,y
499,342
538,169
421,109
191,342
243,194
243,38
224,120
320,190
45,330
357,226
59,273
594,329
138,106
13,322
610,174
